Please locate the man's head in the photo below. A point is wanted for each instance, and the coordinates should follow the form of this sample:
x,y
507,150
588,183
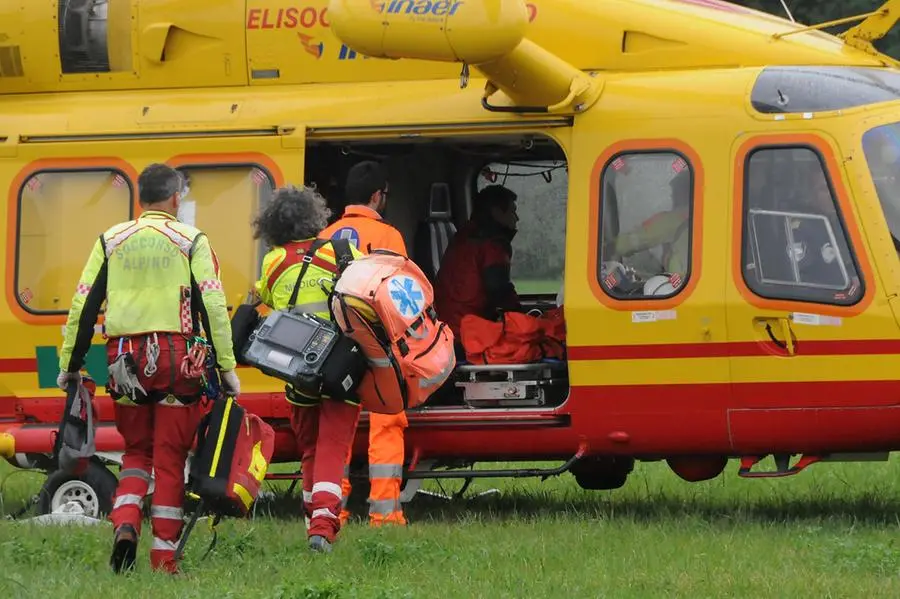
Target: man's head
x,y
367,185
160,187
498,204
294,213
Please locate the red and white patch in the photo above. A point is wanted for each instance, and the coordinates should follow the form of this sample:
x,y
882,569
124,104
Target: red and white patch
x,y
187,323
83,289
210,285
34,183
489,175
675,280
679,165
854,287
258,176
610,281
26,295
618,164
118,181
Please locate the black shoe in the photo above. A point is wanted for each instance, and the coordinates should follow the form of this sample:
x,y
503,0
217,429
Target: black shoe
x,y
124,549
319,544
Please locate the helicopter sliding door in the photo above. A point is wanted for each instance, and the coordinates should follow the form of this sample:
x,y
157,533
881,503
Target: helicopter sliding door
x,y
809,363
652,308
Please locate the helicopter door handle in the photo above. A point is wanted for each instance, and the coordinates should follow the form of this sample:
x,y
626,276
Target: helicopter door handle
x,y
787,340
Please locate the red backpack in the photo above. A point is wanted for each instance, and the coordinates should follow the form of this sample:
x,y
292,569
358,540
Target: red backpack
x,y
384,302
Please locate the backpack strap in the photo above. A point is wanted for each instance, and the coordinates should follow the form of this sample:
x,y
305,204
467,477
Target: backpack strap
x,y
307,259
291,259
342,253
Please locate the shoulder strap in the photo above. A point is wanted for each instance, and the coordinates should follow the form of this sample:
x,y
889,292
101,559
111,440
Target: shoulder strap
x,y
306,260
342,254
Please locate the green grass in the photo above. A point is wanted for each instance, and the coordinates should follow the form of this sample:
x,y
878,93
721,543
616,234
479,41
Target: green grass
x,y
829,532
537,286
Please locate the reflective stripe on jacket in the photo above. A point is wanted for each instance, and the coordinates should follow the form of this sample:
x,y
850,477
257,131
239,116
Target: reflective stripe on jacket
x,y
144,269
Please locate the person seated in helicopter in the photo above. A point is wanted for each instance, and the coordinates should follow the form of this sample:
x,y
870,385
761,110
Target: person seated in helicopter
x,y
669,229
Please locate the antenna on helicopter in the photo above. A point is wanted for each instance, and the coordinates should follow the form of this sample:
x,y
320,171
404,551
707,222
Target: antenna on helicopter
x,y
788,11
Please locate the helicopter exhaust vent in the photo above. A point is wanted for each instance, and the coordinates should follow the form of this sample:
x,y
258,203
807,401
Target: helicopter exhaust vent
x,y
11,62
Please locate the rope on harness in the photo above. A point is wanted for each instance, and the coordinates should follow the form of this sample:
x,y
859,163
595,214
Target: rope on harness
x,y
152,355
193,365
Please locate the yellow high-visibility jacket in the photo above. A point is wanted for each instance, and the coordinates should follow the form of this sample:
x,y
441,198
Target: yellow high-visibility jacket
x,y
149,271
311,298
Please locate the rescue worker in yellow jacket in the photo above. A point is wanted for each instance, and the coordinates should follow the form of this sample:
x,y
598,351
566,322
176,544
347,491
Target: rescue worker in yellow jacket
x,y
366,192
670,229
159,278
324,427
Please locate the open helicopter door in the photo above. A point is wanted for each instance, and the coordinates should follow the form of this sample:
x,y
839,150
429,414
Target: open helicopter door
x,y
806,339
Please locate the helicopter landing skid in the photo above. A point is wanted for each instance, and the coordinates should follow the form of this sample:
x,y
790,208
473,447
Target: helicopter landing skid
x,y
782,466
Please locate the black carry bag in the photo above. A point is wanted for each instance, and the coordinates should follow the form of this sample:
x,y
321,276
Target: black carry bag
x,y
234,448
309,352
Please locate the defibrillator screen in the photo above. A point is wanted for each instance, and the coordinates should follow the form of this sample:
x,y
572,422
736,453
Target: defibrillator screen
x,y
292,332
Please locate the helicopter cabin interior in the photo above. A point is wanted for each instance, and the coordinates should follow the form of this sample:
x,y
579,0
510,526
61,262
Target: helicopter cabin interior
x,y
432,185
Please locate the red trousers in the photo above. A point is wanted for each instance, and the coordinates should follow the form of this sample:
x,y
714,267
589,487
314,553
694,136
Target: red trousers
x,y
157,438
324,433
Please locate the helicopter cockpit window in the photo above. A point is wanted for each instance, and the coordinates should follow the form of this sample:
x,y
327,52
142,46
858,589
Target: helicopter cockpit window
x,y
795,243
882,149
796,89
645,224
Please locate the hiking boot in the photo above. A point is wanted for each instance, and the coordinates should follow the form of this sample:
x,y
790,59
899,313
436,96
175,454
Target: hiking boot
x,y
124,549
319,544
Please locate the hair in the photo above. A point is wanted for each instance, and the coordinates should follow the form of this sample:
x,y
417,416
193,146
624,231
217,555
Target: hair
x,y
493,196
363,180
159,182
294,213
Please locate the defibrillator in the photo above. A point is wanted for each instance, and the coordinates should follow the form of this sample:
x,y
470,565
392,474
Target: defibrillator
x,y
308,352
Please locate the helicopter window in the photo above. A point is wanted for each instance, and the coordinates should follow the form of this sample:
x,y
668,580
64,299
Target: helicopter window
x,y
882,148
94,36
795,242
816,89
239,191
645,225
52,247
539,247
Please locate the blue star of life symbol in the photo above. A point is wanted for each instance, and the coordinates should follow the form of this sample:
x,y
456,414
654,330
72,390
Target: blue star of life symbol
x,y
406,295
348,233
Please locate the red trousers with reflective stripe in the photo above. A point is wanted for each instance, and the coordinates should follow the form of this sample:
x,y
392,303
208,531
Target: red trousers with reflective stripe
x,y
157,438
324,433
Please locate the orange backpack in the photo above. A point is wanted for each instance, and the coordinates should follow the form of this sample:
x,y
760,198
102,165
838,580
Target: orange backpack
x,y
384,302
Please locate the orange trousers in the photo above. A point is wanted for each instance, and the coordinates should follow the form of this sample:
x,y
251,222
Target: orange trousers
x,y
385,470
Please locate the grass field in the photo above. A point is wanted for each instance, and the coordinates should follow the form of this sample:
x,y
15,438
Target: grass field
x,y
828,532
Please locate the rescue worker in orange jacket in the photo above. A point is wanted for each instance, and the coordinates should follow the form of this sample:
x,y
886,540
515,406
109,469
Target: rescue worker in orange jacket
x,y
159,278
324,427
362,224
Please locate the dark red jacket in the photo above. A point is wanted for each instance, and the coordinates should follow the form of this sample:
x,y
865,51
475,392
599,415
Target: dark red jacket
x,y
474,275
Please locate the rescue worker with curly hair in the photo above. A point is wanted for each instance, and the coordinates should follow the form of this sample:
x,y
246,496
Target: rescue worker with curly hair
x,y
324,428
366,191
159,278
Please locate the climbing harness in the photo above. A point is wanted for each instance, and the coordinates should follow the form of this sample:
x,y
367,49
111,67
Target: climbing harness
x,y
124,373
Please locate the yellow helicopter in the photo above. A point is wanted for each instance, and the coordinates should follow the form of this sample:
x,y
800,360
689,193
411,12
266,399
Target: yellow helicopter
x,y
708,191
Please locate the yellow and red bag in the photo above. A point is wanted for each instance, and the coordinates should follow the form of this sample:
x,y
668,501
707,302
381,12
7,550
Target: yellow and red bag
x,y
384,302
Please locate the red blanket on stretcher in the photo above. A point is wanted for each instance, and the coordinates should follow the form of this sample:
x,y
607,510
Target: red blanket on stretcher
x,y
515,339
